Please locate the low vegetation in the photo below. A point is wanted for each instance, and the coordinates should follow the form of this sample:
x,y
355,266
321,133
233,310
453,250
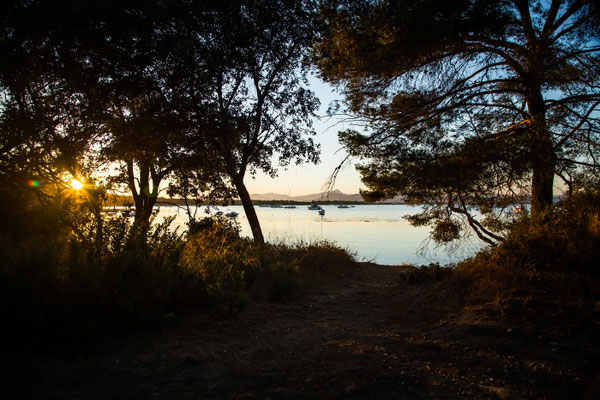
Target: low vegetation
x,y
555,254
425,273
546,265
58,283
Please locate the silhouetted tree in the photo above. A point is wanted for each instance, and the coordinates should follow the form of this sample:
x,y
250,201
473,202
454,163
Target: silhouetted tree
x,y
470,104
210,87
127,65
42,130
258,108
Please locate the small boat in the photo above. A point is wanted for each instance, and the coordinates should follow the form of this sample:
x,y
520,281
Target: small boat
x,y
219,213
314,207
128,213
231,214
321,212
109,211
276,206
290,206
343,206
263,205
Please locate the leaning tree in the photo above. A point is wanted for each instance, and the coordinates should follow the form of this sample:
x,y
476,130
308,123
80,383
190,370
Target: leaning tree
x,y
470,106
259,115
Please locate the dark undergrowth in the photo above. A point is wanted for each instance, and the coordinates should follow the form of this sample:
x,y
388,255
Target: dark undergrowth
x,y
231,271
425,273
556,254
61,283
547,270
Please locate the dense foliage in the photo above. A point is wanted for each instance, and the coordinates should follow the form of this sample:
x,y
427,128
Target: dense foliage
x,y
470,106
208,91
62,282
557,251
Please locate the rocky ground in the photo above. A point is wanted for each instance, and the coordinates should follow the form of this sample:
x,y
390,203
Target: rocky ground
x,y
364,335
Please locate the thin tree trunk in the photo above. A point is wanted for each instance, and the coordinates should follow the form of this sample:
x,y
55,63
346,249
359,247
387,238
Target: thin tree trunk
x,y
99,229
249,209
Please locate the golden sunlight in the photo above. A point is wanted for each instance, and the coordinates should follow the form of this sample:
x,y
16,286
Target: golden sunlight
x,y
75,184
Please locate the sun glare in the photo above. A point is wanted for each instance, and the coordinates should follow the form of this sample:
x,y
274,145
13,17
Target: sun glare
x,y
75,184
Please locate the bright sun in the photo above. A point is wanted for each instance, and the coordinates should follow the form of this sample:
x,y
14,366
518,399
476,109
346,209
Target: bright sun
x,y
75,184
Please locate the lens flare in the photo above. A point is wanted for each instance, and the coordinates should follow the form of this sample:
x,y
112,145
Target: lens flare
x,y
33,183
75,184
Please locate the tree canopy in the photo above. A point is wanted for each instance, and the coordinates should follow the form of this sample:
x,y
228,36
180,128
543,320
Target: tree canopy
x,y
197,92
257,107
469,105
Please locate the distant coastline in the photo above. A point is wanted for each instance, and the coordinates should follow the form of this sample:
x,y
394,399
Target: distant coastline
x,y
128,200
333,197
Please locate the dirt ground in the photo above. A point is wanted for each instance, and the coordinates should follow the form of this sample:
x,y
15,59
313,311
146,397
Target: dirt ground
x,y
362,336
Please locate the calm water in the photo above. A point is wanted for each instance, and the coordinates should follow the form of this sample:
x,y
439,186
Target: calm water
x,y
376,233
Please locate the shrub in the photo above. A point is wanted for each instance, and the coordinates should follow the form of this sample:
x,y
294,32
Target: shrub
x,y
81,276
230,269
59,283
276,280
219,259
557,252
425,273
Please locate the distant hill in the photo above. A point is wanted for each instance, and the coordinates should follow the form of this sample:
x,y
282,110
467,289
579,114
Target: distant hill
x,y
269,196
335,195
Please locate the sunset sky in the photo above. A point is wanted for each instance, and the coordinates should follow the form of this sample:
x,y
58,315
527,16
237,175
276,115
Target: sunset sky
x,y
309,178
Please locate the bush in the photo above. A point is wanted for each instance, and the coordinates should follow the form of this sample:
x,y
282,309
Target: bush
x,y
230,269
78,276
557,252
219,259
425,273
58,283
275,280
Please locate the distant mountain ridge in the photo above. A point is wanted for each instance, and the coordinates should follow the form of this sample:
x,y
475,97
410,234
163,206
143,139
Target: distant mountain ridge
x,y
334,195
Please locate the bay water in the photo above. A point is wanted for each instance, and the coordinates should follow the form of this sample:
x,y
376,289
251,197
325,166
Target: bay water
x,y
374,232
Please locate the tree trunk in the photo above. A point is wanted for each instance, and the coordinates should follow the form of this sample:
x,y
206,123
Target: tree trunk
x,y
144,199
542,183
99,229
543,157
143,211
249,209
